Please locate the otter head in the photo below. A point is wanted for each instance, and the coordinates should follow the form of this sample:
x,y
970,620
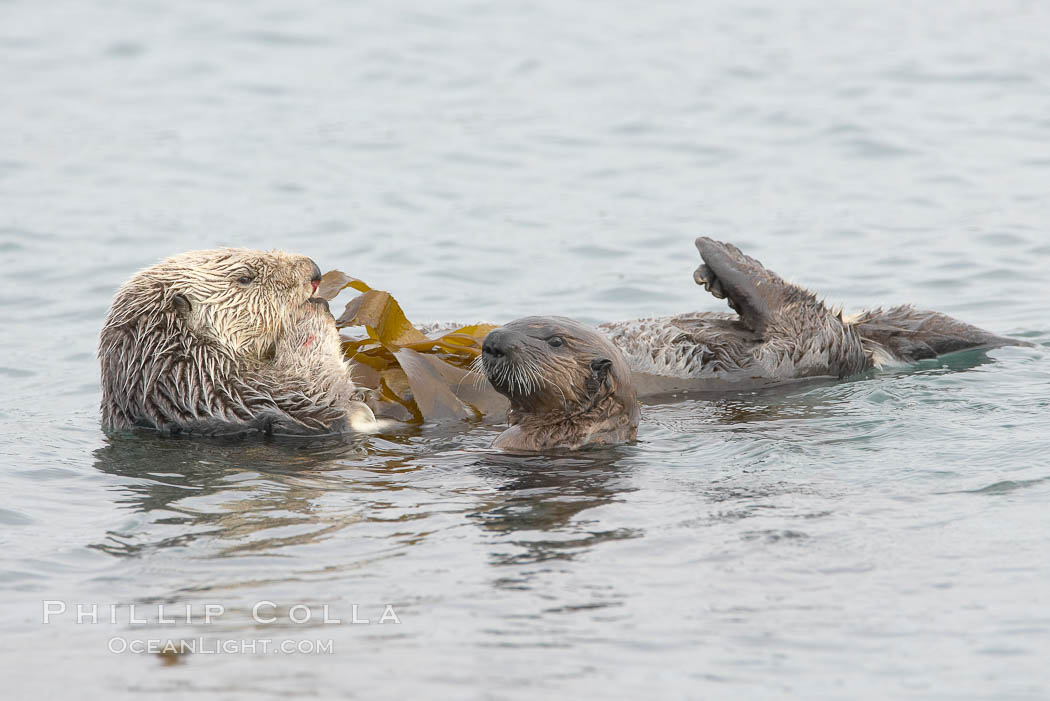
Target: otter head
x,y
237,301
177,328
568,386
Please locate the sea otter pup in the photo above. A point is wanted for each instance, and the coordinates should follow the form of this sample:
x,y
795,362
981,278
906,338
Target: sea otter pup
x,y
568,386
226,341
780,332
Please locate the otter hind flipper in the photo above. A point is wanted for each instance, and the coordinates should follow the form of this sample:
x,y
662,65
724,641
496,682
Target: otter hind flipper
x,y
911,334
752,291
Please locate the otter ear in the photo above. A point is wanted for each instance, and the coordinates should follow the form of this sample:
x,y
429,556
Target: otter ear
x,y
181,304
599,373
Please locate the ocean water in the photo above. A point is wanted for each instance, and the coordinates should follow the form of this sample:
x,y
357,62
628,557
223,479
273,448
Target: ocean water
x,y
886,536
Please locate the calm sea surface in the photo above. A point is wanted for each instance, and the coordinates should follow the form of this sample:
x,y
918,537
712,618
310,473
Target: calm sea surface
x,y
883,537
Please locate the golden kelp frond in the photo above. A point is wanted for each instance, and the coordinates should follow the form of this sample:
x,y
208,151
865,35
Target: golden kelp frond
x,y
335,281
415,378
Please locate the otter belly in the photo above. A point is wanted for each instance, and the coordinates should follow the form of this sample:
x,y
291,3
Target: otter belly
x,y
697,352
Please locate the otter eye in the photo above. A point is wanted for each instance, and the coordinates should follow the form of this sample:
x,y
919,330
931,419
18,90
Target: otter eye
x,y
555,341
245,280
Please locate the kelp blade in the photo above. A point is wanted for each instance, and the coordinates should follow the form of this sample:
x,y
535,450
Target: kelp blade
x,y
428,378
335,281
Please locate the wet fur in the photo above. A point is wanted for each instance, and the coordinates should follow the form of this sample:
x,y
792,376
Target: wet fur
x,y
906,334
781,331
579,394
188,349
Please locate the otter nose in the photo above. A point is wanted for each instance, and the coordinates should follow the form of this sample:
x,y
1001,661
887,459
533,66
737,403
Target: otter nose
x,y
316,277
496,344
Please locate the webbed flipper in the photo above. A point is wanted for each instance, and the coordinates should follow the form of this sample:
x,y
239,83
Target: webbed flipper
x,y
911,334
752,291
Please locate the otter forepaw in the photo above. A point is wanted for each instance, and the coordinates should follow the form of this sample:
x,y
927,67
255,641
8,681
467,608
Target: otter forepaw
x,y
361,418
729,274
706,277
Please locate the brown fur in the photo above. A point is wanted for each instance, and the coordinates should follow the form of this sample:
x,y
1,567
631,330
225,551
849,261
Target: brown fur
x,y
780,332
215,342
576,394
906,334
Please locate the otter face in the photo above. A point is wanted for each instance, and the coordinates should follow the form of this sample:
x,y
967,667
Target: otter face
x,y
547,364
238,300
568,386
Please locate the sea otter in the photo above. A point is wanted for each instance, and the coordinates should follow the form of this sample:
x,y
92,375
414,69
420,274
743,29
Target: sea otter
x,y
779,332
568,386
226,341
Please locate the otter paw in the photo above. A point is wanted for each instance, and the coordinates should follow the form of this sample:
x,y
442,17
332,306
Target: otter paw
x,y
751,290
706,277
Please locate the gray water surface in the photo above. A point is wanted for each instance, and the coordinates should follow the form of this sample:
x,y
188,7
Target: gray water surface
x,y
882,537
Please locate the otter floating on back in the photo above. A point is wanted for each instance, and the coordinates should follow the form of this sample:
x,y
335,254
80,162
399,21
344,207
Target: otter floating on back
x,y
780,332
226,341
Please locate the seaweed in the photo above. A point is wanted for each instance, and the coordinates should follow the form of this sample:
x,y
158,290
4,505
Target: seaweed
x,y
413,377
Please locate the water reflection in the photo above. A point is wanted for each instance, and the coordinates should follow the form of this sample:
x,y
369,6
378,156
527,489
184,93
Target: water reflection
x,y
226,490
235,498
546,496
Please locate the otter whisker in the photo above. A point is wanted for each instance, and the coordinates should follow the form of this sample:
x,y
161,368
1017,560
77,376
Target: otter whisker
x,y
477,369
515,380
534,376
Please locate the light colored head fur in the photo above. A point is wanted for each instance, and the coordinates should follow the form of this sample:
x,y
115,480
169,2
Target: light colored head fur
x,y
237,300
205,341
